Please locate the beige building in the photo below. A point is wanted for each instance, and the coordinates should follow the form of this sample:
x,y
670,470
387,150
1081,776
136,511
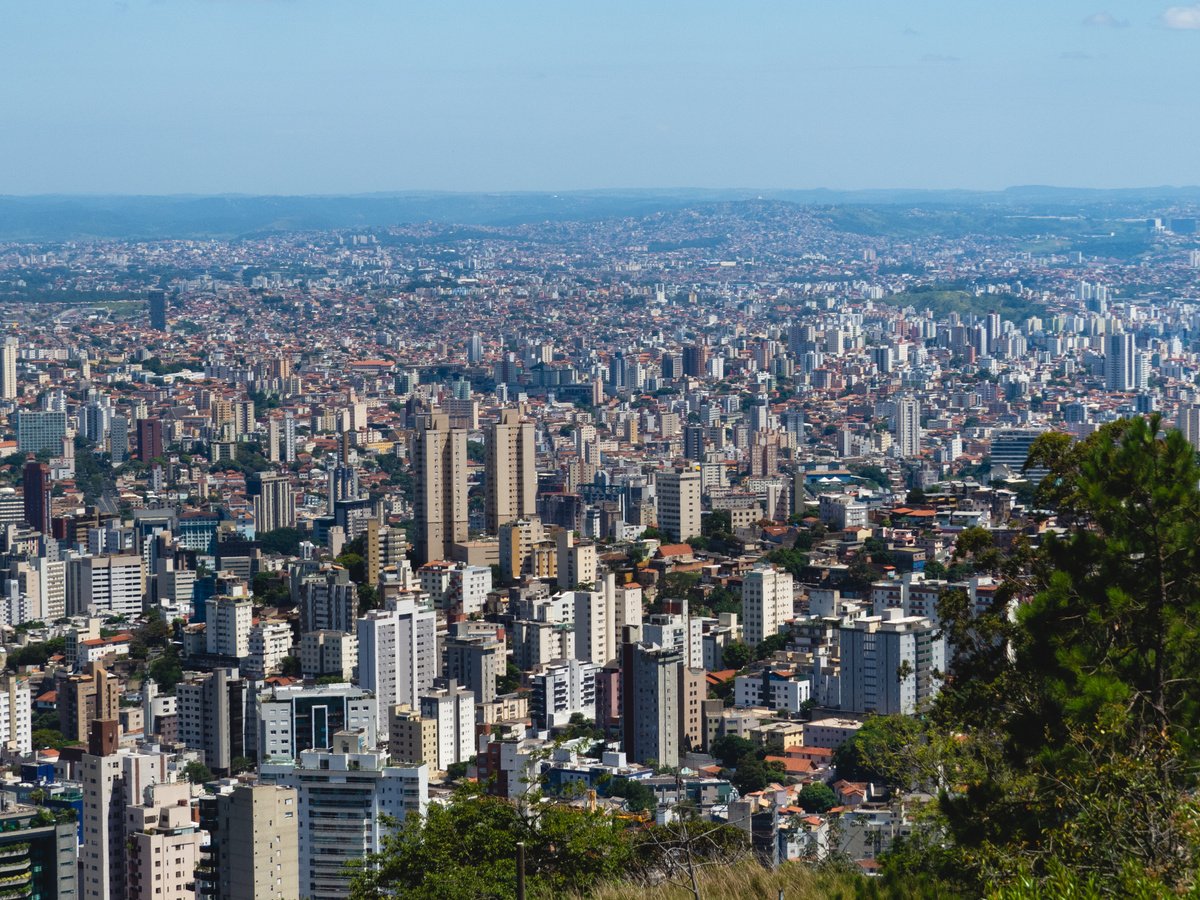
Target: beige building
x,y
411,738
255,851
678,497
439,456
162,844
511,471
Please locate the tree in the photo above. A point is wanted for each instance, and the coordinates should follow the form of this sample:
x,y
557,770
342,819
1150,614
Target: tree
x,y
510,680
468,847
729,748
754,774
284,541
240,764
637,796
166,669
735,655
817,797
290,666
197,772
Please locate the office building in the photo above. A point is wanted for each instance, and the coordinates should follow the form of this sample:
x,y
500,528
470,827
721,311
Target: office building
x,y
40,431
38,860
112,584
157,302
1120,362
766,603
297,717
150,440
35,481
510,471
678,496
439,455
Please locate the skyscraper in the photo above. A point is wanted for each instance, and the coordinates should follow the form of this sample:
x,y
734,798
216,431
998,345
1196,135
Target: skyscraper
x,y
510,470
150,439
157,301
274,503
36,485
9,351
253,853
908,427
1120,372
397,654
440,505
678,496
660,715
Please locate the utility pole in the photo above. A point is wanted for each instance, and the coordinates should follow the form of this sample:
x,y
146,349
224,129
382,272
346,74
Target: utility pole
x,y
520,870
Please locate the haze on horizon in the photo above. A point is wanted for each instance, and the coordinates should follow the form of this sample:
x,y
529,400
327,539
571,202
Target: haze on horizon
x,y
317,97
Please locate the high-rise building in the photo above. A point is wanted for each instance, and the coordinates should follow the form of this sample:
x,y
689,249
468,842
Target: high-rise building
x,y
253,851
889,663
328,653
35,481
346,798
440,517
227,622
562,689
511,471
274,501
328,601
83,698
476,661
9,351
150,440
118,440
298,717
114,584
452,708
39,860
678,496
162,843
1120,362
766,603
397,654
661,696
212,710
40,431
157,302
695,360
908,427
1189,423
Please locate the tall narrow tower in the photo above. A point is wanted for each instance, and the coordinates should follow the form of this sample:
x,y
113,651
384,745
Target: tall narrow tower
x,y
440,505
511,471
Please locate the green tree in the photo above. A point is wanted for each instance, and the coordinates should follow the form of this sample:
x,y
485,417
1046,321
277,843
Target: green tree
x,y
197,772
729,748
735,656
467,848
637,796
817,797
290,666
284,541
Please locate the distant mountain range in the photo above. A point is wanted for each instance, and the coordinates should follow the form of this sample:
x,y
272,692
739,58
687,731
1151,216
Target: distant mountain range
x,y
65,217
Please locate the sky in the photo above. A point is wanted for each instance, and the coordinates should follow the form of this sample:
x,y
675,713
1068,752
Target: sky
x,y
359,96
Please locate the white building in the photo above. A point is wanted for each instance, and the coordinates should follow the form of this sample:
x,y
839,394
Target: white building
x,y
562,689
298,717
270,642
346,798
227,626
397,654
453,709
767,597
889,663
106,585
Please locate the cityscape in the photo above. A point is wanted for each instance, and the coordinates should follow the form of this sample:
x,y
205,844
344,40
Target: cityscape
x,y
379,521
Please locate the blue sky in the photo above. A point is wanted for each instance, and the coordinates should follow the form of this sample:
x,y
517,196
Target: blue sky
x,y
348,96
